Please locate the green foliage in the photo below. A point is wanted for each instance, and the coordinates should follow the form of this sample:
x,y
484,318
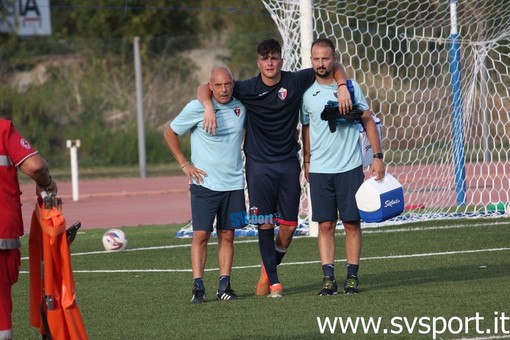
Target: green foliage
x,y
91,97
114,19
79,83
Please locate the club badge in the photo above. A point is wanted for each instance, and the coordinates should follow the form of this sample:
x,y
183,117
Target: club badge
x,y
282,93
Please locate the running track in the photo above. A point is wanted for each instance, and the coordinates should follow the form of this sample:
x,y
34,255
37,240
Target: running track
x,y
110,203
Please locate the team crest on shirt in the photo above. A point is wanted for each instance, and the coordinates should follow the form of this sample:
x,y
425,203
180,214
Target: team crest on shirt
x,y
237,111
282,93
24,143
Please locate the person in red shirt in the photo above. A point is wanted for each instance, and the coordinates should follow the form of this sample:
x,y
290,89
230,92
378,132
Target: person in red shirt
x,y
15,152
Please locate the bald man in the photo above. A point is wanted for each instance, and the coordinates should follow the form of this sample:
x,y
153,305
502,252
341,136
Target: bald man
x,y
216,179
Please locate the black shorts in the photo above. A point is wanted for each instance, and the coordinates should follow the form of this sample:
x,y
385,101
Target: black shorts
x,y
274,189
206,205
333,195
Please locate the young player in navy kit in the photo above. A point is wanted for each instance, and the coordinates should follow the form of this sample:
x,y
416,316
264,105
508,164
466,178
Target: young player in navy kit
x,y
273,100
333,166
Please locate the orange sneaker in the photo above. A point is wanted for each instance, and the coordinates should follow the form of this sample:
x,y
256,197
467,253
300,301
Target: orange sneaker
x,y
276,290
262,288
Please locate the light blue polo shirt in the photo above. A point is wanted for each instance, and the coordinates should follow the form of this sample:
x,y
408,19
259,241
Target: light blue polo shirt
x,y
219,155
335,152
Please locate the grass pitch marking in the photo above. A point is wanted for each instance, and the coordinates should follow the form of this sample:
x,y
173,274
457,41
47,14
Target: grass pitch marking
x,y
375,230
372,258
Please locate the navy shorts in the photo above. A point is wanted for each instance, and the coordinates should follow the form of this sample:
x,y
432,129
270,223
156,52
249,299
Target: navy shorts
x,y
274,189
333,195
206,205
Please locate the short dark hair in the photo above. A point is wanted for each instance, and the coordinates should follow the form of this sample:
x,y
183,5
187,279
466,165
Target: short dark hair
x,y
324,42
269,46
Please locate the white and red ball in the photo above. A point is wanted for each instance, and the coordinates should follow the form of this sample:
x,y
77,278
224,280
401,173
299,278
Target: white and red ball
x,y
114,240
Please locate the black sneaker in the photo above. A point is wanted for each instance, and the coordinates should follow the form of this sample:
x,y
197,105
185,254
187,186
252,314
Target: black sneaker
x,y
329,286
351,285
198,295
227,294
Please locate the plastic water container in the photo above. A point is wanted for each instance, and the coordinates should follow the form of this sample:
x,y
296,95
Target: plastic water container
x,y
379,201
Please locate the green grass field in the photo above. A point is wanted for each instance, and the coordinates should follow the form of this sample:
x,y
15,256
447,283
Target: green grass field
x,y
416,279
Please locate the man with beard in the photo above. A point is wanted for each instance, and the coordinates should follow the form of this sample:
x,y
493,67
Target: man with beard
x,y
333,167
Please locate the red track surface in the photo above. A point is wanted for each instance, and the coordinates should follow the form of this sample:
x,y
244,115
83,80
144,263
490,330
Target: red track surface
x,y
165,200
119,202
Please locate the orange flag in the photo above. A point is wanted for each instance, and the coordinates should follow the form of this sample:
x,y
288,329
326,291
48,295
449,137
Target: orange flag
x,y
53,306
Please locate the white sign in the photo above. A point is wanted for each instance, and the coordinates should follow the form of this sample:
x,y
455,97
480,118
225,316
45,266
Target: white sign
x,y
25,17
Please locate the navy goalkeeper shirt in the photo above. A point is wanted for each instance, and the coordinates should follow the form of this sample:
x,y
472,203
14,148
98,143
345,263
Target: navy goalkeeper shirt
x,y
273,114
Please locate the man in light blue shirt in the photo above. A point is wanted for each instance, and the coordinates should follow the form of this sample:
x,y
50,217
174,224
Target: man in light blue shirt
x,y
333,167
216,178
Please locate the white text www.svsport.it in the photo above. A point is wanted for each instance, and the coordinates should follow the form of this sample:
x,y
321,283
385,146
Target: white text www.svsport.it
x,y
499,324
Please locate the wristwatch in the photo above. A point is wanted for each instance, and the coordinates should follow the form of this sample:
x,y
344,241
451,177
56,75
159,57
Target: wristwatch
x,y
378,155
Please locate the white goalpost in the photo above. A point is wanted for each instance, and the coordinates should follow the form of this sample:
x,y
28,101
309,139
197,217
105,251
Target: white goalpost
x,y
437,74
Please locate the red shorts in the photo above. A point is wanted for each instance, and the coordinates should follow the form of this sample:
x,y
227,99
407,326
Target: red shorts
x,y
10,262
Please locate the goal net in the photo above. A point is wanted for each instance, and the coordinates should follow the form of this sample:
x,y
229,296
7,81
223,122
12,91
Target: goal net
x,y
443,97
446,122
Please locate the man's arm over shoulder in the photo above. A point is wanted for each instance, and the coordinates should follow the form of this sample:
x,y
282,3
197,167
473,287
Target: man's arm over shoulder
x,y
204,95
344,97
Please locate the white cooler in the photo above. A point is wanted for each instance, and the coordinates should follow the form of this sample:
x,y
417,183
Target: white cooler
x,y
379,201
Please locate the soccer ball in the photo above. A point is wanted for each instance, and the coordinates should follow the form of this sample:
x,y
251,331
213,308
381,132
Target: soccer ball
x,y
114,240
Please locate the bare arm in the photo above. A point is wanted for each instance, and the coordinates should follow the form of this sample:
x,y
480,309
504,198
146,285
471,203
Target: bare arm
x,y
344,97
377,168
204,95
37,169
305,135
187,167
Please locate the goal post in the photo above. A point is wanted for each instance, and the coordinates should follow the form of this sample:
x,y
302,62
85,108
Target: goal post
x,y
306,32
457,114
446,129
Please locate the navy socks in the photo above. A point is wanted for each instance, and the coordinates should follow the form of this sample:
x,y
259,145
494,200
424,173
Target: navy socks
x,y
329,270
268,254
352,270
224,283
199,283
